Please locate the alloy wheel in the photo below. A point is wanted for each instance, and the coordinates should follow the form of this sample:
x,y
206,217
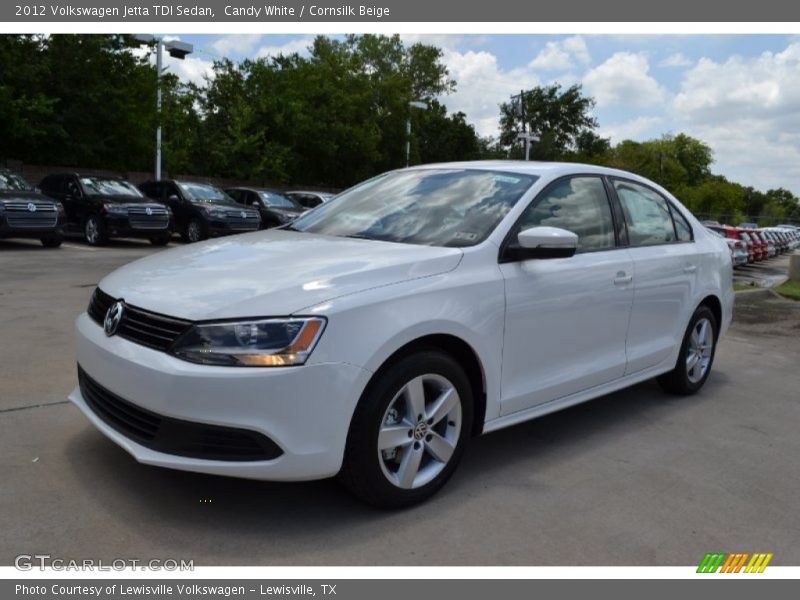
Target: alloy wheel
x,y
92,232
419,431
193,231
699,351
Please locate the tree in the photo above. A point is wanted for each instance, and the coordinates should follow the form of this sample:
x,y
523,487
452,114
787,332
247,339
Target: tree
x,y
558,117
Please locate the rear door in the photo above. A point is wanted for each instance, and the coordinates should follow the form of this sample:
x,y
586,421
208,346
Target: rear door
x,y
665,266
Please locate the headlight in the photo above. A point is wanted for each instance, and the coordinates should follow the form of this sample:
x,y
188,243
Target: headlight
x,y
60,208
117,209
264,343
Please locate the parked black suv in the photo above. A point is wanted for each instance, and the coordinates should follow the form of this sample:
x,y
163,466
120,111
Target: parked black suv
x,y
275,208
100,207
201,210
26,213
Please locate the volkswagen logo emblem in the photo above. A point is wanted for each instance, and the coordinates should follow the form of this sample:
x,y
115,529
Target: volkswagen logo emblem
x,y
244,215
31,207
113,317
149,211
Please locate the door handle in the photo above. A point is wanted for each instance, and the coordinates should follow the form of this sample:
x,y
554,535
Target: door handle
x,y
690,269
622,279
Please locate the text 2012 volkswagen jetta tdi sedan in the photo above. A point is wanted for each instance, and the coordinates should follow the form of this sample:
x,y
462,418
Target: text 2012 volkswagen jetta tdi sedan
x,y
373,336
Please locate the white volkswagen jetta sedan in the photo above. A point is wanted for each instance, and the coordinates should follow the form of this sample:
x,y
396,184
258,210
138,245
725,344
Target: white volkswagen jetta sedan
x,y
373,336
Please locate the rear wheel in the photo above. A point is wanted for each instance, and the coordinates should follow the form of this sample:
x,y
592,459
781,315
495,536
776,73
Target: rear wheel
x,y
94,231
52,240
696,355
409,430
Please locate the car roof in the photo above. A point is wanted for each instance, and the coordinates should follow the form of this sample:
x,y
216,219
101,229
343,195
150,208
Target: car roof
x,y
532,167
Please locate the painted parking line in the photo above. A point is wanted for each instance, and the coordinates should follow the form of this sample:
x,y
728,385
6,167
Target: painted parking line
x,y
77,247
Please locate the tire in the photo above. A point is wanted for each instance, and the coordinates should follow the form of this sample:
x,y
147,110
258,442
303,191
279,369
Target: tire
x,y
94,231
52,241
160,240
697,342
195,231
434,445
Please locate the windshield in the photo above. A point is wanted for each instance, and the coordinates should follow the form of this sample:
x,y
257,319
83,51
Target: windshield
x,y
274,200
101,186
202,192
434,207
10,181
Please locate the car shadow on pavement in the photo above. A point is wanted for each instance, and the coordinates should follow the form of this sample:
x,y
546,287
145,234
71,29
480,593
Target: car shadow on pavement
x,y
246,510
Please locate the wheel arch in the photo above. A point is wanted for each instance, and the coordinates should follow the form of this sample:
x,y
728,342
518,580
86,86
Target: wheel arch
x,y
462,352
715,305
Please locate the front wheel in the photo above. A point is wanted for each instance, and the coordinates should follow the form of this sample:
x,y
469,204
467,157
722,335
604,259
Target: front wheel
x,y
408,431
94,231
195,231
696,355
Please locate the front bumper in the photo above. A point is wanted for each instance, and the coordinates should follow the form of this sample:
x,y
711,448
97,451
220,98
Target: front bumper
x,y
120,226
305,410
218,228
8,231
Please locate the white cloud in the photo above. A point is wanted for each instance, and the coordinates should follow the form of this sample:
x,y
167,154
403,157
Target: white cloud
x,y
630,130
562,55
679,59
624,80
298,45
748,110
482,86
236,44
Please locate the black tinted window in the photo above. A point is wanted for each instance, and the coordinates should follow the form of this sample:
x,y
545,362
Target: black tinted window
x,y
579,205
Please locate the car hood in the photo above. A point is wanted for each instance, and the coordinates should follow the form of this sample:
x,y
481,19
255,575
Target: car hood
x,y
25,195
125,199
269,273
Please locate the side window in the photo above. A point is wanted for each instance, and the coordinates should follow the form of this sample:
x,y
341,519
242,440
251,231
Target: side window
x,y
578,204
682,227
235,194
252,199
646,213
171,190
72,187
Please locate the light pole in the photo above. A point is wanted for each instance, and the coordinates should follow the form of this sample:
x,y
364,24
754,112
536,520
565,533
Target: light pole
x,y
412,104
176,49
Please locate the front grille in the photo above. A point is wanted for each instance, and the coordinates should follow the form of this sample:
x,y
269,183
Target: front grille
x,y
250,221
138,325
19,214
157,219
174,436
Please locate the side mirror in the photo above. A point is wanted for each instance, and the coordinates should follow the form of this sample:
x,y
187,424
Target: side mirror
x,y
544,242
173,198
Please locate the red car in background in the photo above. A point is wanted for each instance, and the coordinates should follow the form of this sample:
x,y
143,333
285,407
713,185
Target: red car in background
x,y
756,248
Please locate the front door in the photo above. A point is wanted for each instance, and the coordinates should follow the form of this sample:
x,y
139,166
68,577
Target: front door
x,y
566,318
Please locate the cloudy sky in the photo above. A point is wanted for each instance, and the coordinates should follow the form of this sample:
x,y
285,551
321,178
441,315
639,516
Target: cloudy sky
x,y
740,94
